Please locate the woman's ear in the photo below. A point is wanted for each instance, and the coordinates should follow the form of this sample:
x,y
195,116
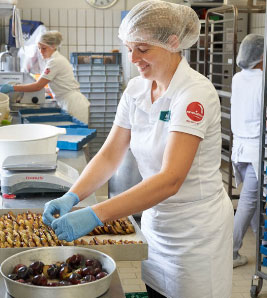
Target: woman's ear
x,y
173,41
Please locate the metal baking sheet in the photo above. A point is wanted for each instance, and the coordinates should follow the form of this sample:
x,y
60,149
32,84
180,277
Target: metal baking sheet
x,y
120,252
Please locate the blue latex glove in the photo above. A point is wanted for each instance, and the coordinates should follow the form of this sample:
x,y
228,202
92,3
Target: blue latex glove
x,y
61,205
6,88
76,224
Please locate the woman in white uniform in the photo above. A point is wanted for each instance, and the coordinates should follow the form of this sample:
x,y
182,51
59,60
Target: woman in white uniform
x,y
170,118
245,124
58,73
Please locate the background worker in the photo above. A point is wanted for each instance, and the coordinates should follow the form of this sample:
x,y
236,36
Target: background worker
x,y
58,74
245,124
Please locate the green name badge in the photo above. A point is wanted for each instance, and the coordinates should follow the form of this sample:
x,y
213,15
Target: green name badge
x,y
165,116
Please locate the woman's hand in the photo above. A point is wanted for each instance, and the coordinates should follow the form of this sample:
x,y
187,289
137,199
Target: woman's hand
x,y
61,205
76,224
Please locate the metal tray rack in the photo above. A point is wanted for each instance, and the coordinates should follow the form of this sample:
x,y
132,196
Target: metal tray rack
x,y
261,240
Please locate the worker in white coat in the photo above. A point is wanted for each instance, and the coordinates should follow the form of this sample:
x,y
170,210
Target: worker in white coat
x,y
170,118
245,124
58,74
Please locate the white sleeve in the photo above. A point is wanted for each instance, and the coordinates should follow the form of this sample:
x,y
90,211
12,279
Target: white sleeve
x,y
50,70
195,110
122,117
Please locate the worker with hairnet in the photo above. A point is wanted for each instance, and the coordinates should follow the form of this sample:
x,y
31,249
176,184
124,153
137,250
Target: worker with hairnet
x,y
170,118
245,125
58,74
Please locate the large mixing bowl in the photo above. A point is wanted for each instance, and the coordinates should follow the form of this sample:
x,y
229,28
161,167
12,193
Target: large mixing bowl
x,y
28,139
50,255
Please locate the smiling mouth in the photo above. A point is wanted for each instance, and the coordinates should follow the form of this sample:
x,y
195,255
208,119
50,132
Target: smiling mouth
x,y
142,68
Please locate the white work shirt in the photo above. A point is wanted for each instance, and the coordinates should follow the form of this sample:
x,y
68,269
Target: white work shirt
x,y
182,228
65,88
245,117
246,103
59,72
189,105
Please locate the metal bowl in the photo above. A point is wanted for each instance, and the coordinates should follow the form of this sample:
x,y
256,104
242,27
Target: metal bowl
x,y
50,255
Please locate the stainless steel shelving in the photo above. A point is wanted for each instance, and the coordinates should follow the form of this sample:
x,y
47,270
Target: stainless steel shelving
x,y
261,239
214,55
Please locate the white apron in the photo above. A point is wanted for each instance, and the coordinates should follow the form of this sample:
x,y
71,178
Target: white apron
x,y
193,231
245,150
76,104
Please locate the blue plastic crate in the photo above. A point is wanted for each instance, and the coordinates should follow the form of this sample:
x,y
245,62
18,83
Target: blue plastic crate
x,y
264,262
52,116
75,138
65,121
24,113
263,250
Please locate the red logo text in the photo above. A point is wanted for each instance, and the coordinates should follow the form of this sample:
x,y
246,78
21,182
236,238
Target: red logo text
x,y
195,111
34,178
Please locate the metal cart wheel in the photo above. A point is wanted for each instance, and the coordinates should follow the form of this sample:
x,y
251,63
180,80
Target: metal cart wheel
x,y
255,289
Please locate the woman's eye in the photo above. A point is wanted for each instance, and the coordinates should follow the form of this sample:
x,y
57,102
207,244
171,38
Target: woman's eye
x,y
143,50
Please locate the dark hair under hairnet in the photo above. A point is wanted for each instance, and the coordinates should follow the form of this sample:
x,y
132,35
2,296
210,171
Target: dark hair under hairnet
x,y
250,51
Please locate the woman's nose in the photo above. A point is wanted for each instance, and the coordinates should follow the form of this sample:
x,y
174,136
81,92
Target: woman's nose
x,y
135,57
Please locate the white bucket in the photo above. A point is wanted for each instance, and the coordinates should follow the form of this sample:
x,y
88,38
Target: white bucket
x,y
4,106
28,139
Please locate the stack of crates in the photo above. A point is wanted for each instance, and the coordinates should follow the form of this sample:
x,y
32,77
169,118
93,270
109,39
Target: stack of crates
x,y
100,78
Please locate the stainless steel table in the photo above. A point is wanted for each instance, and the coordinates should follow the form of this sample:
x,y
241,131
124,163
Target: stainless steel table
x,y
78,160
115,289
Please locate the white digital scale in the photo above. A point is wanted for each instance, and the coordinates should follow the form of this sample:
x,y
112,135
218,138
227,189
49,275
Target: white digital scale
x,y
35,174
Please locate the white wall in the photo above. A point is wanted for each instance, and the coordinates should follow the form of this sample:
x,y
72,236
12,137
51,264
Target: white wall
x,y
84,28
257,23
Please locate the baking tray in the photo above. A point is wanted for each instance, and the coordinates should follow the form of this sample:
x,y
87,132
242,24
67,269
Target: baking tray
x,y
121,252
75,138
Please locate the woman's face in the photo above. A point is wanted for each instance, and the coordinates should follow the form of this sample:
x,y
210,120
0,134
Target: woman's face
x,y
45,50
152,62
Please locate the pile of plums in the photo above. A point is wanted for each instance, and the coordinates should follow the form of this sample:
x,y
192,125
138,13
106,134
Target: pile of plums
x,y
76,270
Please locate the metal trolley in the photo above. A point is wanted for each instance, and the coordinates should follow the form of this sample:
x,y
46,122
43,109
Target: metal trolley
x,y
261,247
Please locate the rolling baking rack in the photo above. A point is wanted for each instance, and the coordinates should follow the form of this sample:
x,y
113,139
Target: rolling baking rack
x,y
261,239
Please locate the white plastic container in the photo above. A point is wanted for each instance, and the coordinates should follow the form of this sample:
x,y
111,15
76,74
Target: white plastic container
x,y
4,106
28,139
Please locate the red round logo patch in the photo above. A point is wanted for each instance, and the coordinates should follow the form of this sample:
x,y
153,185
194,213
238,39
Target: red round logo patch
x,y
47,71
195,111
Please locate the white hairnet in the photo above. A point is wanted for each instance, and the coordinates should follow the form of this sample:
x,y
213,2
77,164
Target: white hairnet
x,y
51,38
168,25
250,51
